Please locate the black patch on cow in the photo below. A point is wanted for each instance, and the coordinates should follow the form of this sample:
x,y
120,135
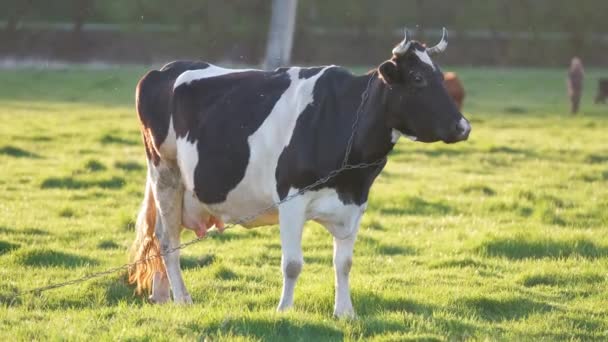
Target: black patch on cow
x,y
306,73
321,134
220,113
154,93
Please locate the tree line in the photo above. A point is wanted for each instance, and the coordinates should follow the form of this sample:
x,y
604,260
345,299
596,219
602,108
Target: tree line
x,y
507,26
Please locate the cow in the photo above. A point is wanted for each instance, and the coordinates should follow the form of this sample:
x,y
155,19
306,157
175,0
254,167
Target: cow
x,y
455,88
602,90
223,143
576,74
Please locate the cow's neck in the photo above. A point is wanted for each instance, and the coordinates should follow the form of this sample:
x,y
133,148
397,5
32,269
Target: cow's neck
x,y
372,139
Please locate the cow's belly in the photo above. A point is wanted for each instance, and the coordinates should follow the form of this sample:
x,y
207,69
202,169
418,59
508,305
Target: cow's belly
x,y
239,211
323,206
246,206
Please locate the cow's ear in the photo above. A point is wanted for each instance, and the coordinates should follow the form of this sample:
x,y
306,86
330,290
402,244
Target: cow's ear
x,y
389,72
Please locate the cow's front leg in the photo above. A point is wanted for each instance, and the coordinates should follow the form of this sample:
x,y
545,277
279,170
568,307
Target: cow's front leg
x,y
291,221
168,191
343,260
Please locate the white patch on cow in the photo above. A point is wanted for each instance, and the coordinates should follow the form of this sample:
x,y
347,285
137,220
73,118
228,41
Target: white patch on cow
x,y
168,149
396,134
212,71
187,159
258,188
424,57
325,207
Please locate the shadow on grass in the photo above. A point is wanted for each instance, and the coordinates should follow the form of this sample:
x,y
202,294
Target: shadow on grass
x,y
26,231
18,152
524,248
7,247
317,258
223,272
39,138
7,295
115,139
512,150
190,262
479,189
107,244
370,304
515,110
596,158
281,329
591,177
457,263
232,234
94,166
110,291
49,257
73,183
499,309
385,248
116,289
417,206
128,166
558,279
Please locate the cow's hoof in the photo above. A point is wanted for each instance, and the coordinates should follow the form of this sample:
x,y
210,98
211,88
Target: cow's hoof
x,y
158,299
185,300
284,307
348,313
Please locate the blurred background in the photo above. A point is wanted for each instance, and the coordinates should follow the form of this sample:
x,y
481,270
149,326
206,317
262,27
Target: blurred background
x,y
346,32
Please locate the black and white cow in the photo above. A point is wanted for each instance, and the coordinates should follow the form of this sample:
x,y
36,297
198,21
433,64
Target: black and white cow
x,y
223,143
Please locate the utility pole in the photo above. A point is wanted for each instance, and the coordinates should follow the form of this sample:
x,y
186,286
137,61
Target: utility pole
x,y
280,34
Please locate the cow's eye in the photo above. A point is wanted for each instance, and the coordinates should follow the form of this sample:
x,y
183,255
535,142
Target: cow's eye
x,y
418,80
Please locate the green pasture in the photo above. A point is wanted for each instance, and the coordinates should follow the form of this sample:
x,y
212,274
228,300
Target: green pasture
x,y
502,237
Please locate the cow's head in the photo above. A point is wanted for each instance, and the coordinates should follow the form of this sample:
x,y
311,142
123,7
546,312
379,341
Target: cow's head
x,y
417,103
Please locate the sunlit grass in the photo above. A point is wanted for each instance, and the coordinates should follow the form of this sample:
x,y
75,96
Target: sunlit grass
x,y
501,237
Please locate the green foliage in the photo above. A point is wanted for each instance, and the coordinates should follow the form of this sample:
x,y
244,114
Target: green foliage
x,y
502,237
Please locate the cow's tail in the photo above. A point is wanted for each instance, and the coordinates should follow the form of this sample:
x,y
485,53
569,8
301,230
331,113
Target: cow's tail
x,y
145,252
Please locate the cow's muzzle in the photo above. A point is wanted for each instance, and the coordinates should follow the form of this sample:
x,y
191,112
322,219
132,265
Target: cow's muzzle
x,y
461,132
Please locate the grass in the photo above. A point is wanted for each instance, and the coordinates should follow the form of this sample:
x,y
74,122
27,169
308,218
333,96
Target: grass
x,y
503,237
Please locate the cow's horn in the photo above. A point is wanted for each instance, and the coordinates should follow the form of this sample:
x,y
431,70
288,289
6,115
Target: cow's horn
x,y
439,48
404,45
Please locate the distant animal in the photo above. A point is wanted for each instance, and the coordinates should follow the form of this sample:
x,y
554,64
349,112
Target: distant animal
x,y
576,75
455,88
223,143
602,91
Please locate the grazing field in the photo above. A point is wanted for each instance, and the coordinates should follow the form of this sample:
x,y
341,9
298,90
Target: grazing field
x,y
500,237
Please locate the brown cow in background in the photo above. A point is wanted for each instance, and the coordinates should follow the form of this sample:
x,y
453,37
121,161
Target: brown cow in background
x,y
576,74
454,87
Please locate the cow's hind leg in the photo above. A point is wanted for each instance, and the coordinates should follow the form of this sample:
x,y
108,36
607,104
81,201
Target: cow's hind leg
x,y
291,221
168,192
160,288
